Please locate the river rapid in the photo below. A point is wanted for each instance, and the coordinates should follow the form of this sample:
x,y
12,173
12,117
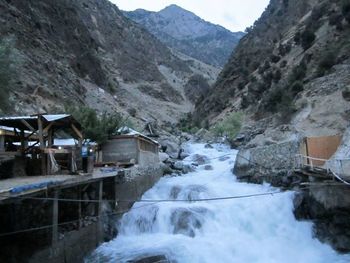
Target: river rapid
x,y
259,229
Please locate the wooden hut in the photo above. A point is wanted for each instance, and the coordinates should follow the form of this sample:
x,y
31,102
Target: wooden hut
x,y
130,148
31,138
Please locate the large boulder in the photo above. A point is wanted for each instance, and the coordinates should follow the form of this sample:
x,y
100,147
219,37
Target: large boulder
x,y
163,157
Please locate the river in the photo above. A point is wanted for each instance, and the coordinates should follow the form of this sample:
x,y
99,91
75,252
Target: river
x,y
259,229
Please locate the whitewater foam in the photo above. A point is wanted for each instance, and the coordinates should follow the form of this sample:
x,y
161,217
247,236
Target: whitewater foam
x,y
258,230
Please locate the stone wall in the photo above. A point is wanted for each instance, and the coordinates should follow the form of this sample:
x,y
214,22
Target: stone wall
x,y
271,163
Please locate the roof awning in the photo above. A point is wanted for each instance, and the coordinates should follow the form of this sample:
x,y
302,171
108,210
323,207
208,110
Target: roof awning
x,y
57,120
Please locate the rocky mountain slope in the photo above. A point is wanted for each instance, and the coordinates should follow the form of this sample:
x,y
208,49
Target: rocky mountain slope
x,y
87,53
290,76
189,34
292,68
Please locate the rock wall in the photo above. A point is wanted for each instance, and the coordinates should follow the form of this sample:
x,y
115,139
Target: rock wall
x,y
328,206
272,163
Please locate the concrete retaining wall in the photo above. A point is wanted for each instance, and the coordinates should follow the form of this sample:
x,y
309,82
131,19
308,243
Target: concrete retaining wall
x,y
72,246
135,183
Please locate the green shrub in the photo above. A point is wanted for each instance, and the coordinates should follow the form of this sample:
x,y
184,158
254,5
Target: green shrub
x,y
297,87
346,10
275,58
96,128
298,73
187,124
230,126
277,75
280,101
307,38
297,38
328,60
346,94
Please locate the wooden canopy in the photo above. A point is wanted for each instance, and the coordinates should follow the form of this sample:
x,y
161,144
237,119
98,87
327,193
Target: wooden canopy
x,y
31,122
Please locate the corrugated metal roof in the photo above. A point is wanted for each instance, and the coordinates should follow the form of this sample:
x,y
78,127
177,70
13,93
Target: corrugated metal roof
x,y
128,131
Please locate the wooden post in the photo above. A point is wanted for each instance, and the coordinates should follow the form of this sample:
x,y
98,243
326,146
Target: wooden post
x,y
55,218
116,192
2,143
100,223
42,146
79,207
49,145
23,147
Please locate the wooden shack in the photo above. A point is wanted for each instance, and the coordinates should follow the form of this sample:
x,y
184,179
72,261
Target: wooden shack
x,y
130,148
31,140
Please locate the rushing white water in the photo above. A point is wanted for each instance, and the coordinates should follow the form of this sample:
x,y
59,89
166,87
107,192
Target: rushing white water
x,y
257,229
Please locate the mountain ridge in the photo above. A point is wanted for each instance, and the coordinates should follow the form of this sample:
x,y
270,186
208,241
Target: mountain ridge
x,y
88,53
187,33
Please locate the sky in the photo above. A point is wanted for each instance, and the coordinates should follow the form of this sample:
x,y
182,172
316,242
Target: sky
x,y
235,15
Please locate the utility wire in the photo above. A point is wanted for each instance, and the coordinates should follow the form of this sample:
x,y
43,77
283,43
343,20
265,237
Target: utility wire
x,y
145,200
67,223
138,200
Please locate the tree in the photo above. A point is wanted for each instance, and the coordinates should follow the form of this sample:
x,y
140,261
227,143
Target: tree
x,y
97,128
230,126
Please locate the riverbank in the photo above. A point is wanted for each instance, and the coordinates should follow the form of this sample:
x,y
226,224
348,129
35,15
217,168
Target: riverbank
x,y
321,199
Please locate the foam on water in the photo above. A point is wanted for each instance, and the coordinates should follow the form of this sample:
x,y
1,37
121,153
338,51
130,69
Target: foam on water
x,y
255,230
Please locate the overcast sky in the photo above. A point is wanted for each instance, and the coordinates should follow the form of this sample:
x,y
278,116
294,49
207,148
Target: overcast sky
x,y
235,15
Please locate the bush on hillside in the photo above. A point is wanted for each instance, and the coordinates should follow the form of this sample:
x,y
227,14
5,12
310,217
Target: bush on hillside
x,y
298,73
346,10
327,62
230,126
307,38
280,101
297,87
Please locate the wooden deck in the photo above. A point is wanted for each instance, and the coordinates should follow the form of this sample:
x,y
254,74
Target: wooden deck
x,y
20,186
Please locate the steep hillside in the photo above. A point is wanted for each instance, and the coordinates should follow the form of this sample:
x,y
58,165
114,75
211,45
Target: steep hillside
x,y
292,68
189,34
87,52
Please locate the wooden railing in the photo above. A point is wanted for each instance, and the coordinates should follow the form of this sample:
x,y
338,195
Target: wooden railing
x,y
334,167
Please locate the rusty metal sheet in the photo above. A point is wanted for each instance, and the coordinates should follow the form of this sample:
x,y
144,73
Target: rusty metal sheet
x,y
322,147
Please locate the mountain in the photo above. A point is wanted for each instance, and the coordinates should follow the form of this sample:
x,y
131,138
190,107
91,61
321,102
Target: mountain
x,y
189,34
290,77
291,68
87,53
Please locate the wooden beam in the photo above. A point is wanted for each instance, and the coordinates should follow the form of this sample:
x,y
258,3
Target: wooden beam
x,y
47,128
100,223
30,135
55,218
42,146
76,130
32,146
23,147
80,197
30,127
